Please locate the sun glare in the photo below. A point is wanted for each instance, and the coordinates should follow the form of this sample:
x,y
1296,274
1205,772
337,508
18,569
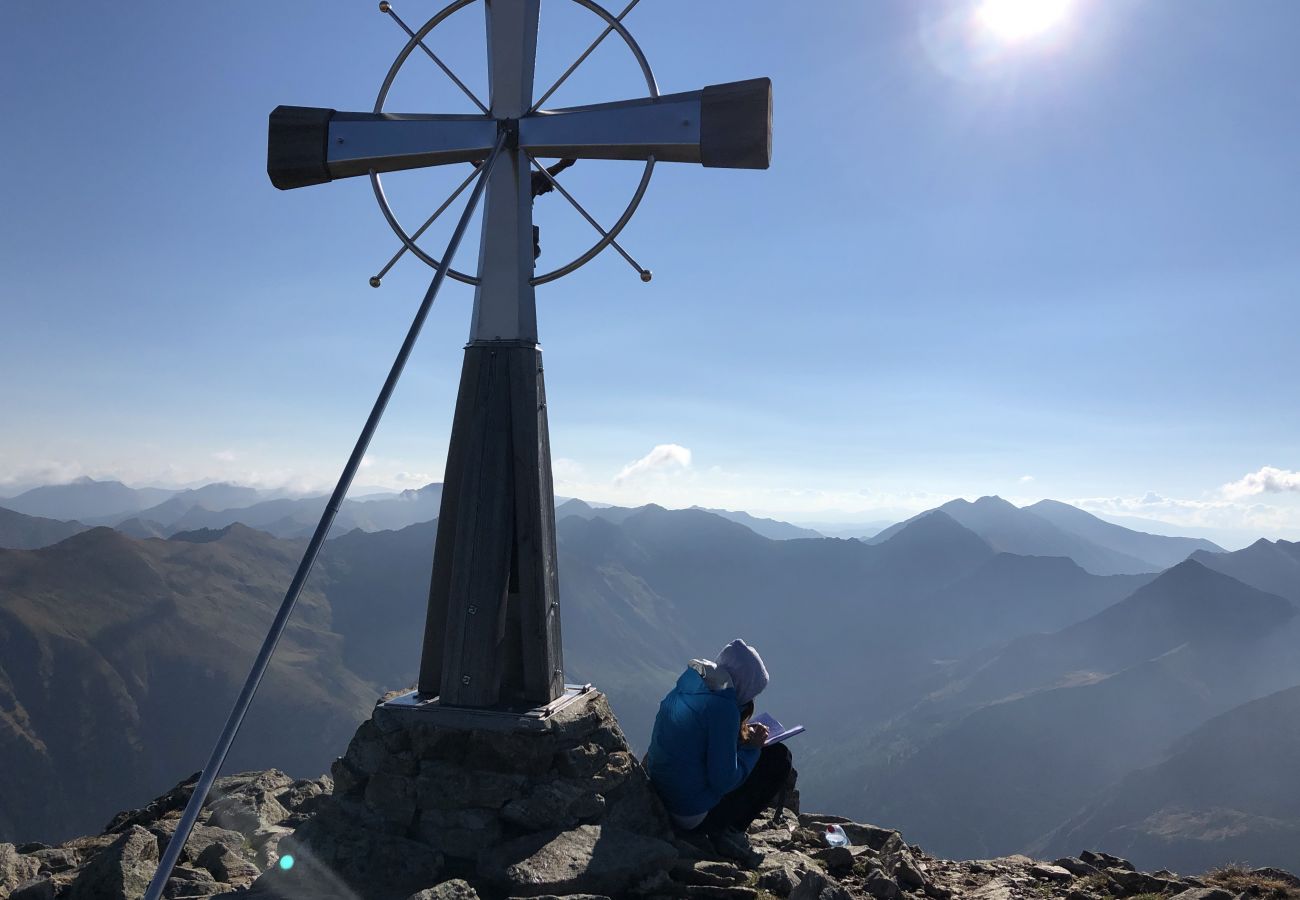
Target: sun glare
x,y
1019,20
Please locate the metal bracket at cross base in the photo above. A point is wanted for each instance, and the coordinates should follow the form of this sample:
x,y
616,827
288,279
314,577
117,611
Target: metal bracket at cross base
x,y
492,634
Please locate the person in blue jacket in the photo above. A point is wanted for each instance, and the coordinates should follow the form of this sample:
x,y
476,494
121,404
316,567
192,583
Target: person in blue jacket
x,y
706,761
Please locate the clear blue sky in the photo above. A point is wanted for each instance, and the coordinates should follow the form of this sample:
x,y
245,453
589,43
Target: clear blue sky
x,y
1065,266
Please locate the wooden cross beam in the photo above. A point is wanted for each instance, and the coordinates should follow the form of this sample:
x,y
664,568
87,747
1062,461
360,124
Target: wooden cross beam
x,y
492,635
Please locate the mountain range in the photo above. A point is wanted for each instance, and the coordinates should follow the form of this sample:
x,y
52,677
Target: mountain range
x,y
1051,528
1046,528
987,699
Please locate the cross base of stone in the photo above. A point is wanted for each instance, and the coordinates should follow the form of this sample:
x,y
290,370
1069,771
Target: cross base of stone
x,y
505,717
421,798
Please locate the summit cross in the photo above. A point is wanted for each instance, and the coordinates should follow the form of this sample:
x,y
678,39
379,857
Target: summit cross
x,y
492,633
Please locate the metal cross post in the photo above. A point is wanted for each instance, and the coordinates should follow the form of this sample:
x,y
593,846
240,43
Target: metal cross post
x,y
492,635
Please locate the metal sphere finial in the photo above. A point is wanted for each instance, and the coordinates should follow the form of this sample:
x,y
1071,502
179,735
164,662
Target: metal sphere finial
x,y
374,281
646,275
384,6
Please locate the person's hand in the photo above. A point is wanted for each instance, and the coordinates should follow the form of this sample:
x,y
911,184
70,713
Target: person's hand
x,y
755,735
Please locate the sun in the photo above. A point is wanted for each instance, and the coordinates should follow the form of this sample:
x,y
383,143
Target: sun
x,y
1019,20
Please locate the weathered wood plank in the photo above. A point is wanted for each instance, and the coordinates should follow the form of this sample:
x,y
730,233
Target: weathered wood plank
x,y
435,623
481,561
537,597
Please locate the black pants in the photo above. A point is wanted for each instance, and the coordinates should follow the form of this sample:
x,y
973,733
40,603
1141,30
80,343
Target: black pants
x,y
743,805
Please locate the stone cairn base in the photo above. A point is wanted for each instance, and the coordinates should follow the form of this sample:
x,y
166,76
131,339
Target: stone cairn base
x,y
564,810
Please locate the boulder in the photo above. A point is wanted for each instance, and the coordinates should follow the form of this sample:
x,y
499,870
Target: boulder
x,y
187,883
706,872
908,874
302,797
583,761
781,870
836,859
588,858
266,845
618,766
1076,866
1058,874
119,872
1277,875
809,886
265,781
457,889
15,868
881,886
1105,860
86,846
872,836
1141,883
201,838
57,859
247,811
1204,894
227,866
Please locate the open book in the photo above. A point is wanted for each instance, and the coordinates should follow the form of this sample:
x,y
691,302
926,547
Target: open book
x,y
776,732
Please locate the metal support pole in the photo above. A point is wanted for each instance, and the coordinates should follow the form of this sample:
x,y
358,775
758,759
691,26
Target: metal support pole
x,y
245,699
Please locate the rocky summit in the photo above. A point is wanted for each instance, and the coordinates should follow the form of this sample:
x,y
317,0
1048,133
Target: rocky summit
x,y
418,810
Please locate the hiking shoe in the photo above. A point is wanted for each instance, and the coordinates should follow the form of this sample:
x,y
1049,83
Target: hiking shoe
x,y
734,844
698,842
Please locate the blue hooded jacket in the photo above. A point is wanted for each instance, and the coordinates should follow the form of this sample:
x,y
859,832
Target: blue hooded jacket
x,y
695,755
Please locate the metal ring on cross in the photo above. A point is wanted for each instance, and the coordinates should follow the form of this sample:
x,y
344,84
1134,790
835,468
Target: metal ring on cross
x,y
608,238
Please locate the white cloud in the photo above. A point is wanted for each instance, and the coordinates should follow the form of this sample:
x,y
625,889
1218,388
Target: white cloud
x,y
21,478
1026,479
664,457
1267,480
225,456
1216,513
420,479
566,471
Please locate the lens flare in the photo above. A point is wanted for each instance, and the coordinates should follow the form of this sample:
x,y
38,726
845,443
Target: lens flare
x,y
1019,20
286,862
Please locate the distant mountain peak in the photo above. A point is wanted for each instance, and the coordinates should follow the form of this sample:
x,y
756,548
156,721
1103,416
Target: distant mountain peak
x,y
210,535
929,525
203,535
1188,568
